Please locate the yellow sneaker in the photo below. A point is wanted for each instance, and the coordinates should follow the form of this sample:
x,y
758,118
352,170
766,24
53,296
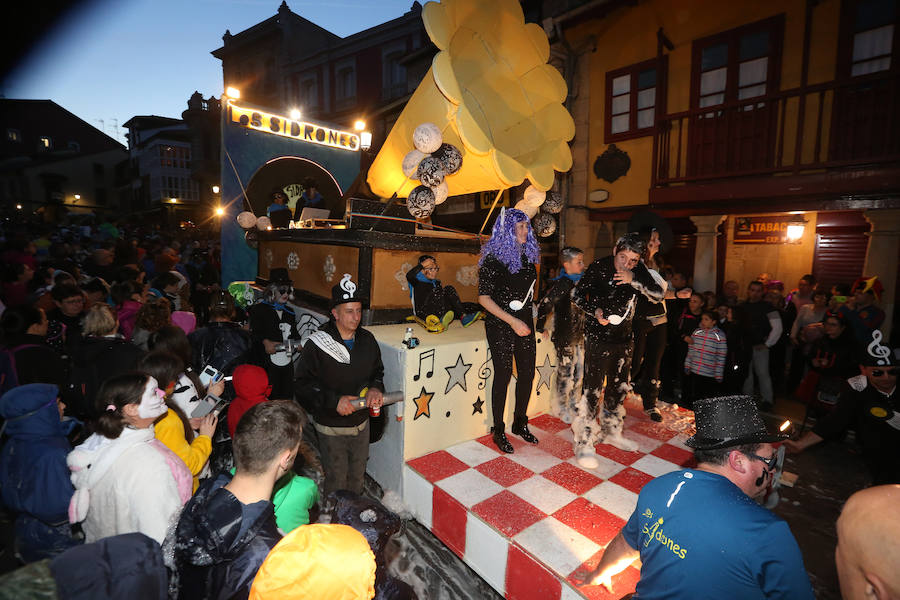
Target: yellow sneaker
x,y
433,324
447,319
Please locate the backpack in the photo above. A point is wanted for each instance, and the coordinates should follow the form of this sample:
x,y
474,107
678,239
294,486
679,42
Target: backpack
x,y
9,376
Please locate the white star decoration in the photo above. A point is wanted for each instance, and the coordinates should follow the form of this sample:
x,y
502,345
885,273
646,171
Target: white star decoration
x,y
457,374
544,373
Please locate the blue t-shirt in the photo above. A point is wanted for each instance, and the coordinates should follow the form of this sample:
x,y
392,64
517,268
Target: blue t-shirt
x,y
700,536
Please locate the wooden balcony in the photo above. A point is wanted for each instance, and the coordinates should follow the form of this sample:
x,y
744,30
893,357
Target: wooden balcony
x,y
827,140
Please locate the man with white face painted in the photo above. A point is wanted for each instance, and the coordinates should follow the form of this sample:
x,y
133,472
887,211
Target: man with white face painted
x,y
608,293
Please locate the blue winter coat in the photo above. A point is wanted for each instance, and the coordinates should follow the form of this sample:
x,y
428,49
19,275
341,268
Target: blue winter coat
x,y
34,478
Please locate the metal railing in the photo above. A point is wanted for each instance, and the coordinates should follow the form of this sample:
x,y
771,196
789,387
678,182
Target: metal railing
x,y
822,126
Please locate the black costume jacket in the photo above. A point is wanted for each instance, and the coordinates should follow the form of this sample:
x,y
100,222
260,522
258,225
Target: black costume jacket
x,y
598,289
322,380
568,319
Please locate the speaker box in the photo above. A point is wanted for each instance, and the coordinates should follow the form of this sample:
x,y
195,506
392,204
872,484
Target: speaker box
x,y
369,215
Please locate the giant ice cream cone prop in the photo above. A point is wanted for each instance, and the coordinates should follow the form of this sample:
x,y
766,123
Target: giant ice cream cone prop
x,y
492,94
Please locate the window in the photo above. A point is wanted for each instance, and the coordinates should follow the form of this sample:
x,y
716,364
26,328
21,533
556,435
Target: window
x,y
308,91
872,26
393,71
737,64
73,146
13,135
631,99
45,143
98,171
345,80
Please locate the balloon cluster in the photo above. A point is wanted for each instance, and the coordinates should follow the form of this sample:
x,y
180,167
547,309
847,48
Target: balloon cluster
x,y
548,203
430,161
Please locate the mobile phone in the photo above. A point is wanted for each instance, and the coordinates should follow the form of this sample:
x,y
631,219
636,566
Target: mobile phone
x,y
208,374
219,407
206,406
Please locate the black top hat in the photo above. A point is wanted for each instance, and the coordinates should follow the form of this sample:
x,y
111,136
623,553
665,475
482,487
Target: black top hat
x,y
729,421
345,292
279,275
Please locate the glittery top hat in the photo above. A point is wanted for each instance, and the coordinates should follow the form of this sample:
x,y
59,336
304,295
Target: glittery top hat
x,y
729,421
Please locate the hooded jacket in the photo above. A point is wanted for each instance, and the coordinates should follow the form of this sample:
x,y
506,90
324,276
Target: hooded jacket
x,y
34,478
215,556
318,561
251,387
98,359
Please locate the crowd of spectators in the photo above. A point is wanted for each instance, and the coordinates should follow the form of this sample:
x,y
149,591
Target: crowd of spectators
x,y
113,440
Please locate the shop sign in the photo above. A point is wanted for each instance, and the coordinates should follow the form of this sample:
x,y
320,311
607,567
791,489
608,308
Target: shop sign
x,y
762,230
289,128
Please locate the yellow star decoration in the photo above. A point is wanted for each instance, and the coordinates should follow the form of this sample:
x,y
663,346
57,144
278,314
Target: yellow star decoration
x,y
423,404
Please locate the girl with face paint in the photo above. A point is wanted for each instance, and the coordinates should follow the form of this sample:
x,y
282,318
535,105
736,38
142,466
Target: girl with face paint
x,y
125,479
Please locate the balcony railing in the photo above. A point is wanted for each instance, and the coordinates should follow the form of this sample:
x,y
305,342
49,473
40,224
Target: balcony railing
x,y
822,126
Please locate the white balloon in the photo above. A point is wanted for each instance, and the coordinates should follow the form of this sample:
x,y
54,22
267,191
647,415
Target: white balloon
x,y
527,208
427,138
534,196
263,223
246,219
411,162
440,192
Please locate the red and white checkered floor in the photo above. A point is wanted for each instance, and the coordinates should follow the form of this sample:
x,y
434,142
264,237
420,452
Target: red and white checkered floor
x,y
528,522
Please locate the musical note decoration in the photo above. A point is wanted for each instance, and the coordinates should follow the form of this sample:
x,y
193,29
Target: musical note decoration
x,y
423,404
484,371
457,374
424,356
348,286
880,353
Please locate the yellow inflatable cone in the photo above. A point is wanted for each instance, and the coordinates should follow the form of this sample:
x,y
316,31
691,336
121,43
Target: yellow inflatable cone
x,y
492,94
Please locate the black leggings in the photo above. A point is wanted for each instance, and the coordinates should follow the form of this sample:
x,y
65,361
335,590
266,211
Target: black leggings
x,y
649,345
504,345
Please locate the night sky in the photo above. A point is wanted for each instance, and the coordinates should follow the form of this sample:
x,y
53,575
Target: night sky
x,y
110,60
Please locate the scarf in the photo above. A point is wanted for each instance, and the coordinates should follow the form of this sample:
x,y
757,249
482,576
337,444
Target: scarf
x,y
574,277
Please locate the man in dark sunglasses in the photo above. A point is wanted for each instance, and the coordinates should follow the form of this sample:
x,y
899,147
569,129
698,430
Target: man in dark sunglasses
x,y
871,405
698,532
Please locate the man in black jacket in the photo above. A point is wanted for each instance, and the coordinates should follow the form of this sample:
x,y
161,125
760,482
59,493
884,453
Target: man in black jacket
x,y
608,294
228,527
568,332
341,363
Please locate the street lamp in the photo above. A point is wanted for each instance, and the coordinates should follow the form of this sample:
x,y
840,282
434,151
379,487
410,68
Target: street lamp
x,y
359,125
233,92
215,189
18,207
173,200
78,196
795,228
220,211
365,140
295,114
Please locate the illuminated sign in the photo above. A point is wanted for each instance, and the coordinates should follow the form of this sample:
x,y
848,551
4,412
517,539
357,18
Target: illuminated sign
x,y
289,128
762,230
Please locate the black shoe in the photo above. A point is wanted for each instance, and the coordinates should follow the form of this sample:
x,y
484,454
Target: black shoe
x,y
503,443
522,432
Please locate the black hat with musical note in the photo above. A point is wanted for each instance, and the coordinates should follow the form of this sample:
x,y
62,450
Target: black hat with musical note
x,y
877,355
345,291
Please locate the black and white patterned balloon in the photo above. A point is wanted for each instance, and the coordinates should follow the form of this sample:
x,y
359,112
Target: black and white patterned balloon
x,y
553,204
430,171
411,162
427,138
420,202
450,157
544,224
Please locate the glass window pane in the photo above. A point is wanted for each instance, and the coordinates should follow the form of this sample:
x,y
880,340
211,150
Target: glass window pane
x,y
874,13
714,57
751,91
620,104
712,100
646,98
871,66
645,118
646,79
713,81
754,45
875,42
621,85
619,124
753,71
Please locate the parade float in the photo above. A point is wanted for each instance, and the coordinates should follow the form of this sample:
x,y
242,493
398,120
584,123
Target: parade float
x,y
487,116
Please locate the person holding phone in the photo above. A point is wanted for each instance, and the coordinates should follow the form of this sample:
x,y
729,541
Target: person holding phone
x,y
507,276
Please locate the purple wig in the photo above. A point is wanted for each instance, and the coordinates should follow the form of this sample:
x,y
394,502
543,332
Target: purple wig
x,y
504,245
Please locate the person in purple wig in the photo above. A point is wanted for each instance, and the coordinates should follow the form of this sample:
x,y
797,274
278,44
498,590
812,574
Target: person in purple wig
x,y
507,276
